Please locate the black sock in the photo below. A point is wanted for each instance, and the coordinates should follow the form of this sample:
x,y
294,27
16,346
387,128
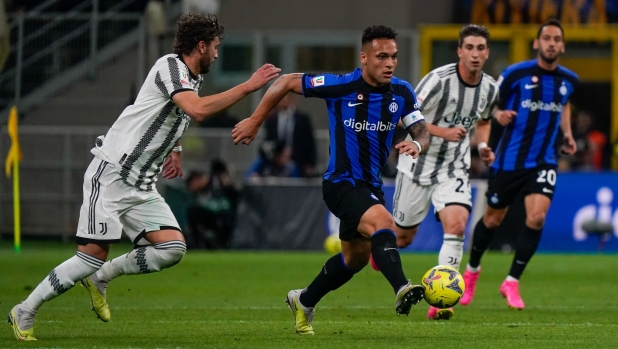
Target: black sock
x,y
526,247
480,242
386,257
332,276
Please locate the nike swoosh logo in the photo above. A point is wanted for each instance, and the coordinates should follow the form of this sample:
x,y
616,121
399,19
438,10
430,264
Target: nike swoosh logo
x,y
520,262
545,190
530,86
386,248
350,104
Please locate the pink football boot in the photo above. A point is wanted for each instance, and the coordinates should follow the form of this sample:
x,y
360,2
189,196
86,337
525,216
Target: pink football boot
x,y
470,280
439,314
510,291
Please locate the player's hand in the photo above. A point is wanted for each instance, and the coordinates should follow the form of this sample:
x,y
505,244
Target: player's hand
x,y
504,117
408,148
245,131
262,76
172,167
487,155
569,146
454,134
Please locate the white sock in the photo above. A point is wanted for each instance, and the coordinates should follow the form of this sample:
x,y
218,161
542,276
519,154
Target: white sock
x,y
510,278
143,260
451,251
62,278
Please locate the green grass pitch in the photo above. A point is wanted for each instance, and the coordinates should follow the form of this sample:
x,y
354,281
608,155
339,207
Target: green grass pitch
x,y
236,300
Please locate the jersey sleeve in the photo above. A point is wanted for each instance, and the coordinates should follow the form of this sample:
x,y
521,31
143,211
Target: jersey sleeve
x,y
172,77
323,85
505,83
411,113
428,92
492,98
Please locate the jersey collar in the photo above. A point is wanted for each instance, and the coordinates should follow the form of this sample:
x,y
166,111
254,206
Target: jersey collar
x,y
367,88
462,80
194,77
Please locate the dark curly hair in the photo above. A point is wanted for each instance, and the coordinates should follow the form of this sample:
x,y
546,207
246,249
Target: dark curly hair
x,y
193,28
378,32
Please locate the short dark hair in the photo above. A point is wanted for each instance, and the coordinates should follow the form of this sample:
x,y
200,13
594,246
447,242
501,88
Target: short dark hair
x,y
378,32
473,30
551,21
193,28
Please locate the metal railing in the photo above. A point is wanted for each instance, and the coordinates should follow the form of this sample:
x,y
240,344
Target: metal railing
x,y
47,45
56,157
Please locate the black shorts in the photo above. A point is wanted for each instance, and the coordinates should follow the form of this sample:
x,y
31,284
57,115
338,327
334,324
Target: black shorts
x,y
504,186
349,203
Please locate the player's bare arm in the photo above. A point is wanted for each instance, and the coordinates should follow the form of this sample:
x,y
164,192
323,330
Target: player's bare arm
x,y
200,108
481,133
247,129
569,146
420,134
451,134
408,148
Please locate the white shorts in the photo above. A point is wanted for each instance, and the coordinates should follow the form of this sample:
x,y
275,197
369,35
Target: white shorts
x,y
411,200
111,206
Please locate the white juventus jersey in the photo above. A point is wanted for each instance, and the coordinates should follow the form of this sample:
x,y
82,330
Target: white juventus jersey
x,y
145,133
447,101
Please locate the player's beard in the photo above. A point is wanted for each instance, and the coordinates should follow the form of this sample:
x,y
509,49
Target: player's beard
x,y
549,60
204,68
205,64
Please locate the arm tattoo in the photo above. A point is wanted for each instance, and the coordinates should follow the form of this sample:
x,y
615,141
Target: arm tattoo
x,y
420,134
296,76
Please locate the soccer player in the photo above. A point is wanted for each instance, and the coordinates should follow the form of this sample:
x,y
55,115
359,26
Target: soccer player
x,y
364,107
119,184
453,98
532,105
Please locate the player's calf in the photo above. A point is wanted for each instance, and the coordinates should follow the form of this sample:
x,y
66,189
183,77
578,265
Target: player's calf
x,y
386,256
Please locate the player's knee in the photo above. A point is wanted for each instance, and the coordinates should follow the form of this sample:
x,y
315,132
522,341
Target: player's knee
x,y
405,237
492,221
170,253
455,228
403,241
536,220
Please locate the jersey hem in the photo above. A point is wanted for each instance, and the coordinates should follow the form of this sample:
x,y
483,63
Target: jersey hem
x,y
84,241
180,90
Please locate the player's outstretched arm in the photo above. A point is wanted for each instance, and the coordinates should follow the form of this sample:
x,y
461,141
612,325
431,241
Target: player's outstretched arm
x,y
481,132
420,133
247,129
569,146
201,108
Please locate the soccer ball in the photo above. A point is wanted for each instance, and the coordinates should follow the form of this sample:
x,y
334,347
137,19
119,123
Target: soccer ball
x,y
332,244
444,286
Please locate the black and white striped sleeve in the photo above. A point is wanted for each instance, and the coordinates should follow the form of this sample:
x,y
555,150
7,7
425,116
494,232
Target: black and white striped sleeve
x,y
172,77
428,91
492,99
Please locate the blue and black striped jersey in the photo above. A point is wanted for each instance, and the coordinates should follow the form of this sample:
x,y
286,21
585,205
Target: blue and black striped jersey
x,y
362,121
538,96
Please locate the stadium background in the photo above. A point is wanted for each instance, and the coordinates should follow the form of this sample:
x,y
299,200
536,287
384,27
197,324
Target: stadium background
x,y
71,66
